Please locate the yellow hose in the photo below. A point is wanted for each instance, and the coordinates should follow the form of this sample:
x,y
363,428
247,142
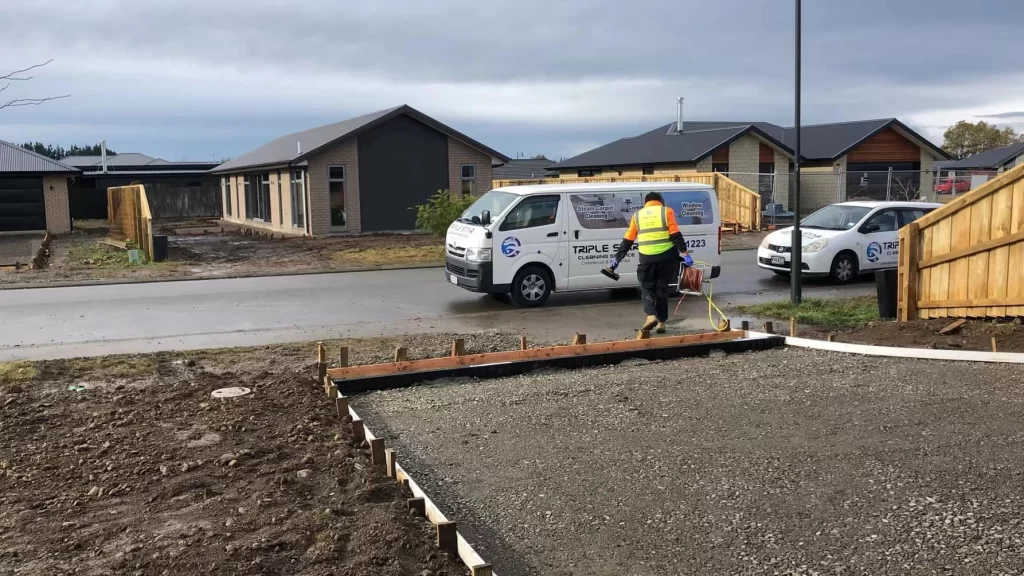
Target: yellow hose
x,y
711,305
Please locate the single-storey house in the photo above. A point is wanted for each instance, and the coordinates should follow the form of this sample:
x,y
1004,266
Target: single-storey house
x,y
991,160
33,191
358,176
835,158
525,169
175,189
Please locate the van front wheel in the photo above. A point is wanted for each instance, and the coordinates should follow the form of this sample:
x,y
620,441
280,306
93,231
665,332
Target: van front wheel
x,y
531,287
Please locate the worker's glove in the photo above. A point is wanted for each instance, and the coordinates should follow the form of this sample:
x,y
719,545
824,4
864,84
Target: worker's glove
x,y
687,261
613,264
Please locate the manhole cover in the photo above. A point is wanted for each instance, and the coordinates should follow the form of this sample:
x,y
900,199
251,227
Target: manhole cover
x,y
230,392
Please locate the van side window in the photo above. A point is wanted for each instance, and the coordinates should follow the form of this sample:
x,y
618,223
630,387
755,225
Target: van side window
x,y
532,212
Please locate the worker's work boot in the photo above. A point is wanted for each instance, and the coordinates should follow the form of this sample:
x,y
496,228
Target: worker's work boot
x,y
649,325
660,328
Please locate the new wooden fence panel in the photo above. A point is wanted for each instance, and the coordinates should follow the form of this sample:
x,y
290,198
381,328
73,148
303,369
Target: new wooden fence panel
x,y
1015,259
737,204
969,262
129,216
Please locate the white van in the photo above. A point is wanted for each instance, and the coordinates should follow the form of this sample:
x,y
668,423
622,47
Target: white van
x,y
528,241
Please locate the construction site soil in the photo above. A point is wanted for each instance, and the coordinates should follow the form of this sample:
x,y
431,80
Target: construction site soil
x,y
126,465
788,461
974,335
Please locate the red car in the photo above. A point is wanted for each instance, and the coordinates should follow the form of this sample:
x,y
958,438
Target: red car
x,y
949,185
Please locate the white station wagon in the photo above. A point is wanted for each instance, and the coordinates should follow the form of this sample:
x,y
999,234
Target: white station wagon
x,y
844,240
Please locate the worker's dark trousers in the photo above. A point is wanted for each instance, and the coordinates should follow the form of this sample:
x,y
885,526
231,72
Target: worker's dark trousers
x,y
655,278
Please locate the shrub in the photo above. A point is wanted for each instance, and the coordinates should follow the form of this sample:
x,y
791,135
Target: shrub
x,y
440,211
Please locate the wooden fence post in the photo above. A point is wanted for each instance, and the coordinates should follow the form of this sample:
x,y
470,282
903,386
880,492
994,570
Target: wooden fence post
x,y
909,256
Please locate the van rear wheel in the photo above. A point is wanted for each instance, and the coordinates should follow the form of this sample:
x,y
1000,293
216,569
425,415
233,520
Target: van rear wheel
x,y
531,287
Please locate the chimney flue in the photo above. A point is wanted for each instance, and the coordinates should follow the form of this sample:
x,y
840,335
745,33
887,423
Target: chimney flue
x,y
103,156
679,115
298,148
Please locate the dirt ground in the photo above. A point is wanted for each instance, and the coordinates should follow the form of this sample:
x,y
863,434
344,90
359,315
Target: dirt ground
x,y
126,465
791,461
975,335
78,257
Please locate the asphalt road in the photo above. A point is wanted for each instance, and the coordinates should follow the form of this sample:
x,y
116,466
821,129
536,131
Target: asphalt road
x,y
129,318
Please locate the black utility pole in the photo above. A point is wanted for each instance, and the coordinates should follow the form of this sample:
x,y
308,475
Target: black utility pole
x,y
797,246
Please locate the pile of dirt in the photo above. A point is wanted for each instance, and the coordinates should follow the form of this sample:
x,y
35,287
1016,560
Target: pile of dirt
x,y
147,474
974,335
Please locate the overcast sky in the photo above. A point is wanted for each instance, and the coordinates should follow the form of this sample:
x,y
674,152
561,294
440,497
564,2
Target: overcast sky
x,y
204,79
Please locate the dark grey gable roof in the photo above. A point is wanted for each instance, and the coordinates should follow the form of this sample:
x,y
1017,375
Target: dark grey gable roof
x,y
989,159
14,158
663,145
831,141
655,147
524,169
299,146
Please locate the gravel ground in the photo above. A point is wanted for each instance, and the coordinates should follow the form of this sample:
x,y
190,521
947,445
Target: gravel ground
x,y
783,462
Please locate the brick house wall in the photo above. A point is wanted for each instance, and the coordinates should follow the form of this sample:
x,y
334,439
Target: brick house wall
x,y
744,158
57,204
280,206
460,154
344,154
927,165
821,185
782,178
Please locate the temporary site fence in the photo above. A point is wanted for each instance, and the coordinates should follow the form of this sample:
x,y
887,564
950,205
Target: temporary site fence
x,y
966,259
129,216
739,205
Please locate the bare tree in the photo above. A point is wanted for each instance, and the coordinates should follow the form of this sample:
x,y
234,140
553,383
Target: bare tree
x,y
905,188
16,77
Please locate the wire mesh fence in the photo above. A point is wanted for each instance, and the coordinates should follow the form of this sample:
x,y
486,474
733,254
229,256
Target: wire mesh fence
x,y
130,218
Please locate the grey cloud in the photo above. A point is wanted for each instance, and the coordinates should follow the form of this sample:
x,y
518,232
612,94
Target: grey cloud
x,y
731,58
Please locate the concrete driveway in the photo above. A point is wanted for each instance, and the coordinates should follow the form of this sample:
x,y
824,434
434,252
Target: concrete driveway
x,y
19,248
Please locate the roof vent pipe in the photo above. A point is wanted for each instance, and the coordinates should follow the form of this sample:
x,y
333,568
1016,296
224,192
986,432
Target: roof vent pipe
x,y
103,156
298,148
679,115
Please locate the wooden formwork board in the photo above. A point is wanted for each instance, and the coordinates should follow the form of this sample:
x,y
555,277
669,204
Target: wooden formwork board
x,y
465,550
358,379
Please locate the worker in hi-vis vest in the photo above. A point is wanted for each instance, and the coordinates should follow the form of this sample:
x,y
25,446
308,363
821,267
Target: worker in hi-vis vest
x,y
661,248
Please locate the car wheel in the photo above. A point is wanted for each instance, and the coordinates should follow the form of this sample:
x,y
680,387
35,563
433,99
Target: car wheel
x,y
844,268
531,287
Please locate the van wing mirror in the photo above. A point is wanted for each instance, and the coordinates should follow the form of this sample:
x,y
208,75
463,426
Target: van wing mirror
x,y
869,228
485,217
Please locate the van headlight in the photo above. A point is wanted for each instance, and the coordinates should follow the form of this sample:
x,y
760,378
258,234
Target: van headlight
x,y
764,243
816,246
478,254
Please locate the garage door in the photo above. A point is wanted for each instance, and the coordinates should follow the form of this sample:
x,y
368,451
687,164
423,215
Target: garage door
x,y
21,204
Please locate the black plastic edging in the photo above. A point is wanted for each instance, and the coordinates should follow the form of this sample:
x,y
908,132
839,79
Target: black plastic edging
x,y
349,387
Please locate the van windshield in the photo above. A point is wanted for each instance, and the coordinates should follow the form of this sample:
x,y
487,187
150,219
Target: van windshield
x,y
835,217
494,202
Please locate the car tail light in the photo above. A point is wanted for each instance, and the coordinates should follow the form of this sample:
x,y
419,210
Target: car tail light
x,y
719,238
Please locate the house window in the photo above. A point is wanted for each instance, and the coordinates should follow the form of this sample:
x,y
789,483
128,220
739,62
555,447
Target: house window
x,y
227,196
720,167
587,173
336,191
648,170
468,179
298,199
280,200
257,197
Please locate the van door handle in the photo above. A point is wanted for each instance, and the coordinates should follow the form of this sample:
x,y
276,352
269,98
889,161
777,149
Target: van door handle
x,y
577,234
553,235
